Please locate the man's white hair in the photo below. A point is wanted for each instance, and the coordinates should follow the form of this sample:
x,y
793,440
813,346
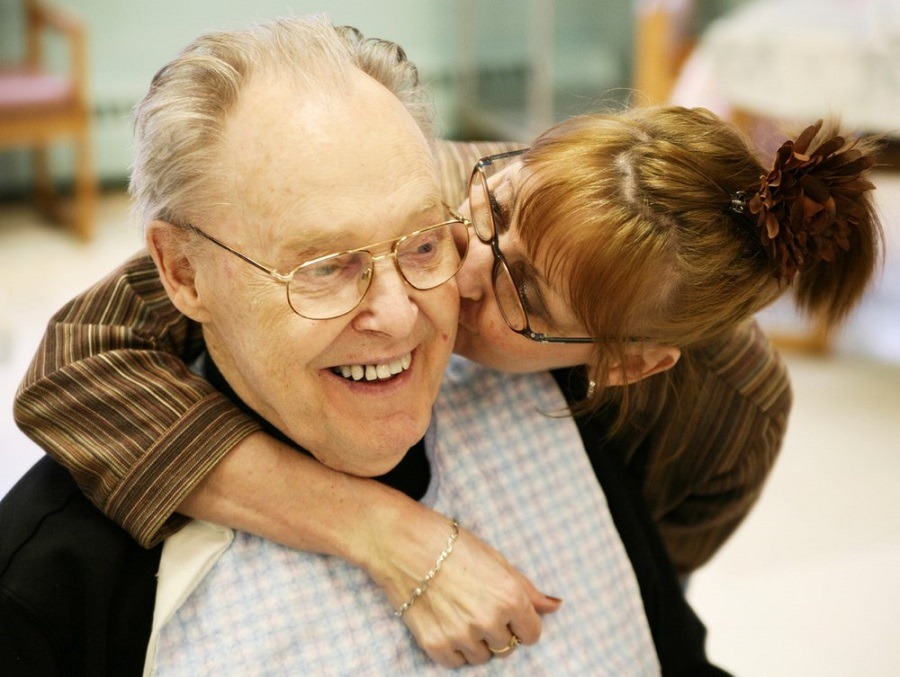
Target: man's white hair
x,y
179,123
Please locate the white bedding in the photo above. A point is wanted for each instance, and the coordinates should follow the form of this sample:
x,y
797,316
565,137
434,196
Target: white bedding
x,y
804,59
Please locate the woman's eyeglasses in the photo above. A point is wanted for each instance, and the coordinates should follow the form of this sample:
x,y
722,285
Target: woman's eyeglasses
x,y
509,288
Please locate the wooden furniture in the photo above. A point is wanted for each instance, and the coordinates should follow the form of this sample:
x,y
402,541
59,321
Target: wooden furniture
x,y
662,43
38,107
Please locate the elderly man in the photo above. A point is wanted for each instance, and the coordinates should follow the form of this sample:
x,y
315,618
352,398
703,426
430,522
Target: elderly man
x,y
257,150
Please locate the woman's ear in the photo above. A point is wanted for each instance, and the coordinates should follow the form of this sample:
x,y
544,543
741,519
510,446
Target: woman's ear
x,y
168,245
651,359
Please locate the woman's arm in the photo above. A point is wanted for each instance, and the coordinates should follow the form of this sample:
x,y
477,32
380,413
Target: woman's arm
x,y
109,395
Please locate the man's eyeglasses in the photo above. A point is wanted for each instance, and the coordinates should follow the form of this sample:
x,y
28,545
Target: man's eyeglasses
x,y
333,285
509,288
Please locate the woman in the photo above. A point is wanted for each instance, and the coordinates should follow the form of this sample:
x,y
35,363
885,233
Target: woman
x,y
237,476
604,206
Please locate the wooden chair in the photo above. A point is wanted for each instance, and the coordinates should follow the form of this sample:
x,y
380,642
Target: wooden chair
x,y
38,107
662,43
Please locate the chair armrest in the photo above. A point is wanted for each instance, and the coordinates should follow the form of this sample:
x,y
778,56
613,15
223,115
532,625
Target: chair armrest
x,y
60,20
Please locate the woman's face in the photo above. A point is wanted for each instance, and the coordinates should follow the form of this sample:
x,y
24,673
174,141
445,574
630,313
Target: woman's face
x,y
483,334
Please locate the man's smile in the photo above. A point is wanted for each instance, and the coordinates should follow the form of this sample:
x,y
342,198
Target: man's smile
x,y
376,371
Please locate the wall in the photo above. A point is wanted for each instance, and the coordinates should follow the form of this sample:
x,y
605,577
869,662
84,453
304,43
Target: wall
x,y
130,40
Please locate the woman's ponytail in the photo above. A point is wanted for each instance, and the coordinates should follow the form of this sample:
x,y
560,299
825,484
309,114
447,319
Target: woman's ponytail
x,y
816,219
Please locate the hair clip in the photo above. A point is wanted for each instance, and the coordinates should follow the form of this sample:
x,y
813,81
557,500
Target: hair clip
x,y
739,202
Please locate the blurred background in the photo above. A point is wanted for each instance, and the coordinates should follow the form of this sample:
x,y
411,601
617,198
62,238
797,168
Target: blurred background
x,y
807,586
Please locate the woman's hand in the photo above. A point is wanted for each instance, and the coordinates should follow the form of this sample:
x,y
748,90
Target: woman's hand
x,y
477,599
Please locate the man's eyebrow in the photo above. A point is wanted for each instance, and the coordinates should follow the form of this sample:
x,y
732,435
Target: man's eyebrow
x,y
302,247
427,205
310,244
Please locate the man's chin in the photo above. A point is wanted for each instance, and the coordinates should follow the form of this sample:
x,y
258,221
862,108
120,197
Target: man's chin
x,y
368,466
373,447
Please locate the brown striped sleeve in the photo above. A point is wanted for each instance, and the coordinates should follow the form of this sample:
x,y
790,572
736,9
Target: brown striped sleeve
x,y
109,396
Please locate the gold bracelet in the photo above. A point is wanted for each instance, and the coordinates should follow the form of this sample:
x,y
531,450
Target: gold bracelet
x,y
423,586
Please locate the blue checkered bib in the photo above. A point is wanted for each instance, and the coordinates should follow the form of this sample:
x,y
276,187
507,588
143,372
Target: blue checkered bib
x,y
514,476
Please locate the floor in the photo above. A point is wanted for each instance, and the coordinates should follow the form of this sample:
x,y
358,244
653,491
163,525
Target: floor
x,y
808,586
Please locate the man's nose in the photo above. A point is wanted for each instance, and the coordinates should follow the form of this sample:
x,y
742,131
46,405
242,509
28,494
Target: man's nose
x,y
388,306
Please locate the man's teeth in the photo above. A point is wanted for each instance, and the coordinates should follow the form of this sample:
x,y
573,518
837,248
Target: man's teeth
x,y
373,372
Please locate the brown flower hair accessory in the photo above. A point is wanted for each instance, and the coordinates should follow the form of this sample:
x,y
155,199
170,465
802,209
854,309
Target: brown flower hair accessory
x,y
807,205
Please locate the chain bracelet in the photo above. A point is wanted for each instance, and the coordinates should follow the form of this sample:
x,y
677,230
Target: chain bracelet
x,y
423,586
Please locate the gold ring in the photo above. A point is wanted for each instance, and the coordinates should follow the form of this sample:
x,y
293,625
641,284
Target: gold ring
x,y
513,643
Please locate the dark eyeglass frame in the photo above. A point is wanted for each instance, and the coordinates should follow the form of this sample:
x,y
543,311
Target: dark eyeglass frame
x,y
287,278
501,265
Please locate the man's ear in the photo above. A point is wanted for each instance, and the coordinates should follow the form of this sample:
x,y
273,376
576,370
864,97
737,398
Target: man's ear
x,y
168,246
651,359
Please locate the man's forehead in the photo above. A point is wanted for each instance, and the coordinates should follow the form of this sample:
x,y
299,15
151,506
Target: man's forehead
x,y
319,169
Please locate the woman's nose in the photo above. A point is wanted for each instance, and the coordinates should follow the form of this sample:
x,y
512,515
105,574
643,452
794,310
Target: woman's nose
x,y
474,278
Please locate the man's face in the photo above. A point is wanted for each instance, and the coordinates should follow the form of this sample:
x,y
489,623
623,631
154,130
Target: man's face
x,y
303,176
